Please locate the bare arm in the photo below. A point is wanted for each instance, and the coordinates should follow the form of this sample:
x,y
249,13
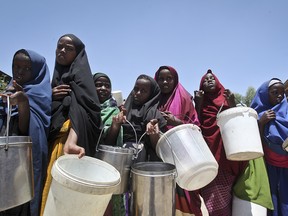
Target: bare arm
x,y
71,146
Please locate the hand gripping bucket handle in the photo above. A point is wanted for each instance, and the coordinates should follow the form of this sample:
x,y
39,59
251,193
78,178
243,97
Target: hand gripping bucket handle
x,y
136,138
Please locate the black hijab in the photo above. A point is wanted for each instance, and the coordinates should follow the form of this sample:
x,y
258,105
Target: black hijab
x,y
139,116
82,106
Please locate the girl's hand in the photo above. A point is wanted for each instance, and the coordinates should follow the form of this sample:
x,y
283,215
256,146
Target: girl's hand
x,y
152,127
230,98
198,100
171,119
119,119
71,148
16,95
266,117
60,91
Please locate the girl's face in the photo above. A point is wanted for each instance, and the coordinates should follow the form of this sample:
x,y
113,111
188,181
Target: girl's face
x,y
209,84
22,68
65,51
103,88
141,91
276,93
166,81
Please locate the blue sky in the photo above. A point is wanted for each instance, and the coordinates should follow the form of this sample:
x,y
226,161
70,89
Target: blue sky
x,y
244,42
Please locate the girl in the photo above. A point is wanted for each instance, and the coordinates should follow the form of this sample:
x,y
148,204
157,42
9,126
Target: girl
x,y
272,108
76,119
177,108
32,94
209,100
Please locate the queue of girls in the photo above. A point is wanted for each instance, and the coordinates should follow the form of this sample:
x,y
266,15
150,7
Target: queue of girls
x,y
66,116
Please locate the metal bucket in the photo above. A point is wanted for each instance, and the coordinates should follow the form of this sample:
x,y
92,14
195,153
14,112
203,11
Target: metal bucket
x,y
153,189
121,159
16,171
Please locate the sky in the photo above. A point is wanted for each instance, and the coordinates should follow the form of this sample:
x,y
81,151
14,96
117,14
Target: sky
x,y
244,42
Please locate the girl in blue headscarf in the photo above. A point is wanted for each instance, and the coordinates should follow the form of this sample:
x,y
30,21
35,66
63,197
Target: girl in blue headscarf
x,y
272,107
31,80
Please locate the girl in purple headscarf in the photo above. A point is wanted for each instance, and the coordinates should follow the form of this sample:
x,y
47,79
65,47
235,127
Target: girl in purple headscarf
x,y
272,107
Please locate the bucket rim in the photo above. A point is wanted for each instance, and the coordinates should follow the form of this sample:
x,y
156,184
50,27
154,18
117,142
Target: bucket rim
x,y
115,149
175,129
66,176
234,110
137,168
15,141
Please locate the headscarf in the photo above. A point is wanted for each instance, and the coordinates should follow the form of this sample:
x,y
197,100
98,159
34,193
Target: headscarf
x,y
82,106
212,103
108,109
39,93
276,131
180,100
140,115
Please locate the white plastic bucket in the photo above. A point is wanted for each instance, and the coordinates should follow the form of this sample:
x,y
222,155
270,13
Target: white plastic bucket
x,y
185,147
240,133
80,187
245,208
118,97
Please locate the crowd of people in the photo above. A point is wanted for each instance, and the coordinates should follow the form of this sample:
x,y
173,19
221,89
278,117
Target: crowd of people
x,y
68,114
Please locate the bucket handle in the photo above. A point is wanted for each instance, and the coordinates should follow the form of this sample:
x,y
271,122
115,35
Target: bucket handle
x,y
165,137
8,122
136,139
220,109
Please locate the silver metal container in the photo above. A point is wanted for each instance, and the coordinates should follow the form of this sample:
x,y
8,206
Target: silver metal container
x,y
153,189
16,171
121,159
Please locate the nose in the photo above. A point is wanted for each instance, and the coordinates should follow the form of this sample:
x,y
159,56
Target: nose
x,y
138,92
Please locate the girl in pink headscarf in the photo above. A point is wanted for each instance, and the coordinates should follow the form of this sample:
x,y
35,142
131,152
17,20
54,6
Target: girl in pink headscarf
x,y
177,108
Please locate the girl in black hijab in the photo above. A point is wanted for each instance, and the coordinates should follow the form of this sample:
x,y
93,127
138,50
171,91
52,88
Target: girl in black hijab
x,y
140,109
76,120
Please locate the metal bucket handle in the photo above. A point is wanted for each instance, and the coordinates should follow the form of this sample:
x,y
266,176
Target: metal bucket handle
x,y
136,138
8,123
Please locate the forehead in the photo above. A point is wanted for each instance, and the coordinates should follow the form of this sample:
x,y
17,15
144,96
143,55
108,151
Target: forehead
x,y
276,86
66,40
165,71
102,79
143,82
22,56
209,75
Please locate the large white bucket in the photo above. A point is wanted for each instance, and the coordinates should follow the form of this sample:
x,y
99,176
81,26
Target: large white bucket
x,y
245,208
80,187
185,147
240,133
